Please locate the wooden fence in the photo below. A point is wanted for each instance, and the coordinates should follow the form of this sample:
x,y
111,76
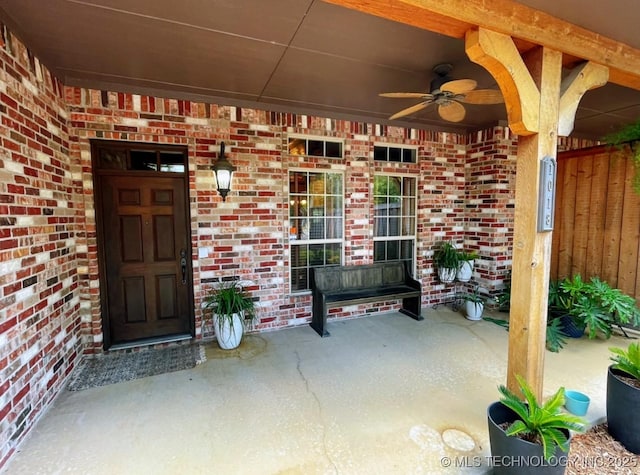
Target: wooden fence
x,y
597,218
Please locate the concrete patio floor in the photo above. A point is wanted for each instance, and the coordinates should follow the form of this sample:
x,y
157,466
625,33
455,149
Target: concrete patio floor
x,y
374,398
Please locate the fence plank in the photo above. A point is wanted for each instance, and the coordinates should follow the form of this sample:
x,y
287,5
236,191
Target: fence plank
x,y
597,209
582,213
613,219
567,217
628,258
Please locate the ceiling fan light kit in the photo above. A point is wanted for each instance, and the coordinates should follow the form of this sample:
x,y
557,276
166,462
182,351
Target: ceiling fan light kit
x,y
448,94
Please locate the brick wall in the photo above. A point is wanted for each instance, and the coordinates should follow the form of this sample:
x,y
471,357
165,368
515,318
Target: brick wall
x,y
247,236
489,202
41,221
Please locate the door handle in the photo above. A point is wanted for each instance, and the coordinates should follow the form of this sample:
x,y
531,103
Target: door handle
x,y
183,265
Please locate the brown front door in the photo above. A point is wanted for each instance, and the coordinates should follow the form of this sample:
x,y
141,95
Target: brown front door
x,y
146,251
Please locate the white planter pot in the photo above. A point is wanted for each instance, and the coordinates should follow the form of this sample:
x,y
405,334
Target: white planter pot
x,y
228,331
465,271
447,274
474,310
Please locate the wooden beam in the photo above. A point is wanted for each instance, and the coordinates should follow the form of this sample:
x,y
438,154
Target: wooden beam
x,y
581,79
396,10
454,17
498,54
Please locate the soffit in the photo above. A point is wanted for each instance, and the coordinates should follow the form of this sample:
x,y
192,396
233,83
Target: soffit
x,y
291,55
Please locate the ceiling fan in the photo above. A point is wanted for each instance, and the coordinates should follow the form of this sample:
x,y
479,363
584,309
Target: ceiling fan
x,y
448,94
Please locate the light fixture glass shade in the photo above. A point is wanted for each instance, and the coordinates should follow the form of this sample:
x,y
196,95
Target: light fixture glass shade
x,y
224,171
223,177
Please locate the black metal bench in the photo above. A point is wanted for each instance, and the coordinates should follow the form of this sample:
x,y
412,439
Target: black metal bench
x,y
339,286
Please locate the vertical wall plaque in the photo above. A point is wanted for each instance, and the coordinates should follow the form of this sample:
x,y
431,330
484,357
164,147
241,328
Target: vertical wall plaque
x,y
547,196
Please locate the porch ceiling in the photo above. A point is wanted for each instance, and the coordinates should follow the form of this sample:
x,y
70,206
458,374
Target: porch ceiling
x,y
303,56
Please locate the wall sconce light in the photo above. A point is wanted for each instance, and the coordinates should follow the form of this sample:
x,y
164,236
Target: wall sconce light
x,y
223,170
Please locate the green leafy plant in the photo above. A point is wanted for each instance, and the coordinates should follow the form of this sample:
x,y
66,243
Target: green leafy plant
x,y
446,255
467,255
475,295
627,361
504,297
229,298
556,339
542,424
593,304
628,135
558,299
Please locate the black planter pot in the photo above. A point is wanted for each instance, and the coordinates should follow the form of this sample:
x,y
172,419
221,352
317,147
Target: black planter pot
x,y
570,327
512,455
623,416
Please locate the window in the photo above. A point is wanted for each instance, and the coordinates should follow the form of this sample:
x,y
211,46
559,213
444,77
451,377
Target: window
x,y
394,219
315,147
394,154
142,157
316,223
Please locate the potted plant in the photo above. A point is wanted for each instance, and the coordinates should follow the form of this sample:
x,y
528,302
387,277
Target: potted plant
x,y
231,306
447,259
623,397
528,431
591,305
465,267
474,304
559,307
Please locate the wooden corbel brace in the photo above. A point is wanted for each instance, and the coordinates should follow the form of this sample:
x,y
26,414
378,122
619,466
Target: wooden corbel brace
x,y
498,54
582,78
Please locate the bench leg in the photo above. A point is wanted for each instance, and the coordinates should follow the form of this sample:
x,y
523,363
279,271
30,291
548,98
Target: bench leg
x,y
319,319
411,307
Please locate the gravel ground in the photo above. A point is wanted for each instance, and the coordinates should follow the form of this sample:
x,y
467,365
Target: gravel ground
x,y
597,453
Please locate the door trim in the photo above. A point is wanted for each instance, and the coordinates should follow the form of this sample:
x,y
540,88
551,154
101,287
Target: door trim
x,y
97,174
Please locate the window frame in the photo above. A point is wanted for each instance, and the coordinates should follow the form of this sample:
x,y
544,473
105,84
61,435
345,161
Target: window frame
x,y
401,147
305,243
316,138
399,238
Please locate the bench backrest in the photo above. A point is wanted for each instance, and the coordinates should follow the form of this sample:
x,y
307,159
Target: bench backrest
x,y
336,278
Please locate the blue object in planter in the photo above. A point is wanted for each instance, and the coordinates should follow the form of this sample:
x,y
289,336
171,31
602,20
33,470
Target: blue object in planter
x,y
576,402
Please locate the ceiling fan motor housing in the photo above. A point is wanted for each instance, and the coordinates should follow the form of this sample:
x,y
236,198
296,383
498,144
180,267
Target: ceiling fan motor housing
x,y
442,72
437,83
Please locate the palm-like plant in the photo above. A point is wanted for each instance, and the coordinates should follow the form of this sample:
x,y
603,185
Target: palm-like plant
x,y
627,361
544,424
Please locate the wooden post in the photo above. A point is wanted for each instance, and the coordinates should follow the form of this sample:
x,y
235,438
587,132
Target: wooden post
x,y
537,101
532,249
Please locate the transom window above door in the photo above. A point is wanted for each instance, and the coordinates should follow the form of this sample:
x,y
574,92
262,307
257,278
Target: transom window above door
x,y
141,159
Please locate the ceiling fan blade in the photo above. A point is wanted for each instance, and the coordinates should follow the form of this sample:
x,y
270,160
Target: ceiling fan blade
x,y
459,86
407,95
452,111
410,110
483,96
